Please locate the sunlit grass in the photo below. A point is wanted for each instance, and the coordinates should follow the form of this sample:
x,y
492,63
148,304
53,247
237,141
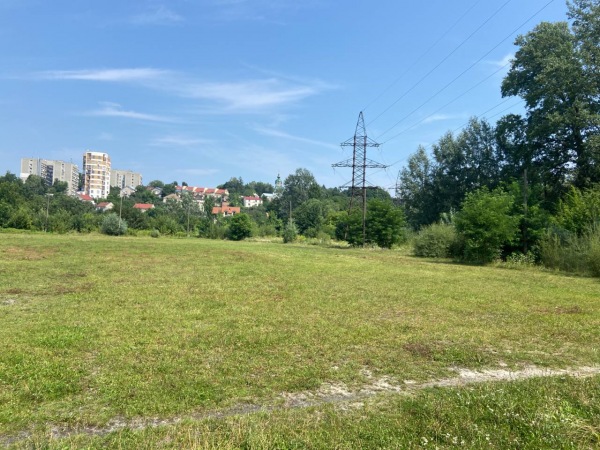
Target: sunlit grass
x,y
95,328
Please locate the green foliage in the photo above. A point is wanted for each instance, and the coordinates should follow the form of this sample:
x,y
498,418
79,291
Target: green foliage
x,y
579,210
435,241
570,252
155,233
384,225
165,224
289,233
486,224
240,227
212,228
60,221
113,226
20,219
311,215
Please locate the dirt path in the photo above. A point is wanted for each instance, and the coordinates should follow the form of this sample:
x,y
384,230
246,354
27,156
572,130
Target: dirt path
x,y
328,393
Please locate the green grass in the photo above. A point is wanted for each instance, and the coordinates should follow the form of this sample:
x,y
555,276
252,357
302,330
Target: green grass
x,y
95,329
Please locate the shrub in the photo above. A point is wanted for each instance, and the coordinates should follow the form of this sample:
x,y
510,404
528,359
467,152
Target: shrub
x,y
240,227
113,226
571,253
486,224
289,233
155,233
435,241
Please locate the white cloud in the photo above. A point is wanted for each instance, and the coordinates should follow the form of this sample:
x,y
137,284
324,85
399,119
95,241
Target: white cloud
x,y
111,75
284,135
504,61
115,110
178,141
160,15
201,172
245,96
441,117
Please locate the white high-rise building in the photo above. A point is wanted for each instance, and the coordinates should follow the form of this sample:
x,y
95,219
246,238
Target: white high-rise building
x,y
51,171
96,174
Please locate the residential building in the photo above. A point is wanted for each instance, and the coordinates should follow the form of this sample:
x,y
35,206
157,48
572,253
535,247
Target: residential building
x,y
123,178
143,207
104,206
96,174
51,171
225,210
251,202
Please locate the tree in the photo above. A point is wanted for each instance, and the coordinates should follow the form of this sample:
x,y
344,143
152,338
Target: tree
x,y
113,226
298,188
486,224
384,225
310,216
562,103
415,189
240,227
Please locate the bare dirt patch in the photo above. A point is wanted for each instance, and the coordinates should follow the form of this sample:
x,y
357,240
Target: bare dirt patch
x,y
339,394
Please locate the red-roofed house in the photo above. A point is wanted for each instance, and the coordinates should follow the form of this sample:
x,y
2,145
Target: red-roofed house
x,y
85,198
225,210
143,207
250,202
105,206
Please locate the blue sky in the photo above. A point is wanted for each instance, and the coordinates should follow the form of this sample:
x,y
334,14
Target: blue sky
x,y
204,90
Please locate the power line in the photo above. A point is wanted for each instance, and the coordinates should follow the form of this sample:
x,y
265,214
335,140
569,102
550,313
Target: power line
x,y
423,55
464,125
447,104
423,78
467,69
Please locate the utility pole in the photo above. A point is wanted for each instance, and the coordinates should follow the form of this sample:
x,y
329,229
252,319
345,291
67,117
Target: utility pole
x,y
47,211
359,163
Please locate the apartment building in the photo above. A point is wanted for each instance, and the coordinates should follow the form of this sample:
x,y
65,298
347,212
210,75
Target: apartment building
x,y
96,174
124,178
50,171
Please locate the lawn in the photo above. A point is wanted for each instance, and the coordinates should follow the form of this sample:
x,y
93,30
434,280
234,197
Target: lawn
x,y
216,339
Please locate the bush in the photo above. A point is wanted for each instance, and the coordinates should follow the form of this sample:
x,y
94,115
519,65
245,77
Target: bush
x,y
571,253
113,226
435,241
155,233
240,227
289,233
486,225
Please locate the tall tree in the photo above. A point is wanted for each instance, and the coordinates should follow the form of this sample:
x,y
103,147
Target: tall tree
x,y
548,73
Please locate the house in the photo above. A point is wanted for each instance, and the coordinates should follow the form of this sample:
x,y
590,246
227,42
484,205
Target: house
x,y
143,207
251,202
84,197
104,206
155,190
173,197
225,210
127,191
268,196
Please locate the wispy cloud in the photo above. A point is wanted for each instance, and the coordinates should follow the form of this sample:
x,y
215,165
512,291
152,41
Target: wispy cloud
x,y
442,117
115,110
159,15
179,141
503,62
200,172
109,75
243,96
284,135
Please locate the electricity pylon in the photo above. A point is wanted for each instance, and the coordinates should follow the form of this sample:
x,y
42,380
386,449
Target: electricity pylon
x,y
359,163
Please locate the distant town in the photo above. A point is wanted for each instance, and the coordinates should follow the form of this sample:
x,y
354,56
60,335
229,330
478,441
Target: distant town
x,y
97,178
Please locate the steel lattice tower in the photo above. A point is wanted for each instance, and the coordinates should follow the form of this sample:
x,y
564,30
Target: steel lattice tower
x,y
359,163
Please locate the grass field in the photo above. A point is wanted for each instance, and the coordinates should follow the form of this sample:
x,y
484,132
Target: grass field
x,y
171,343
